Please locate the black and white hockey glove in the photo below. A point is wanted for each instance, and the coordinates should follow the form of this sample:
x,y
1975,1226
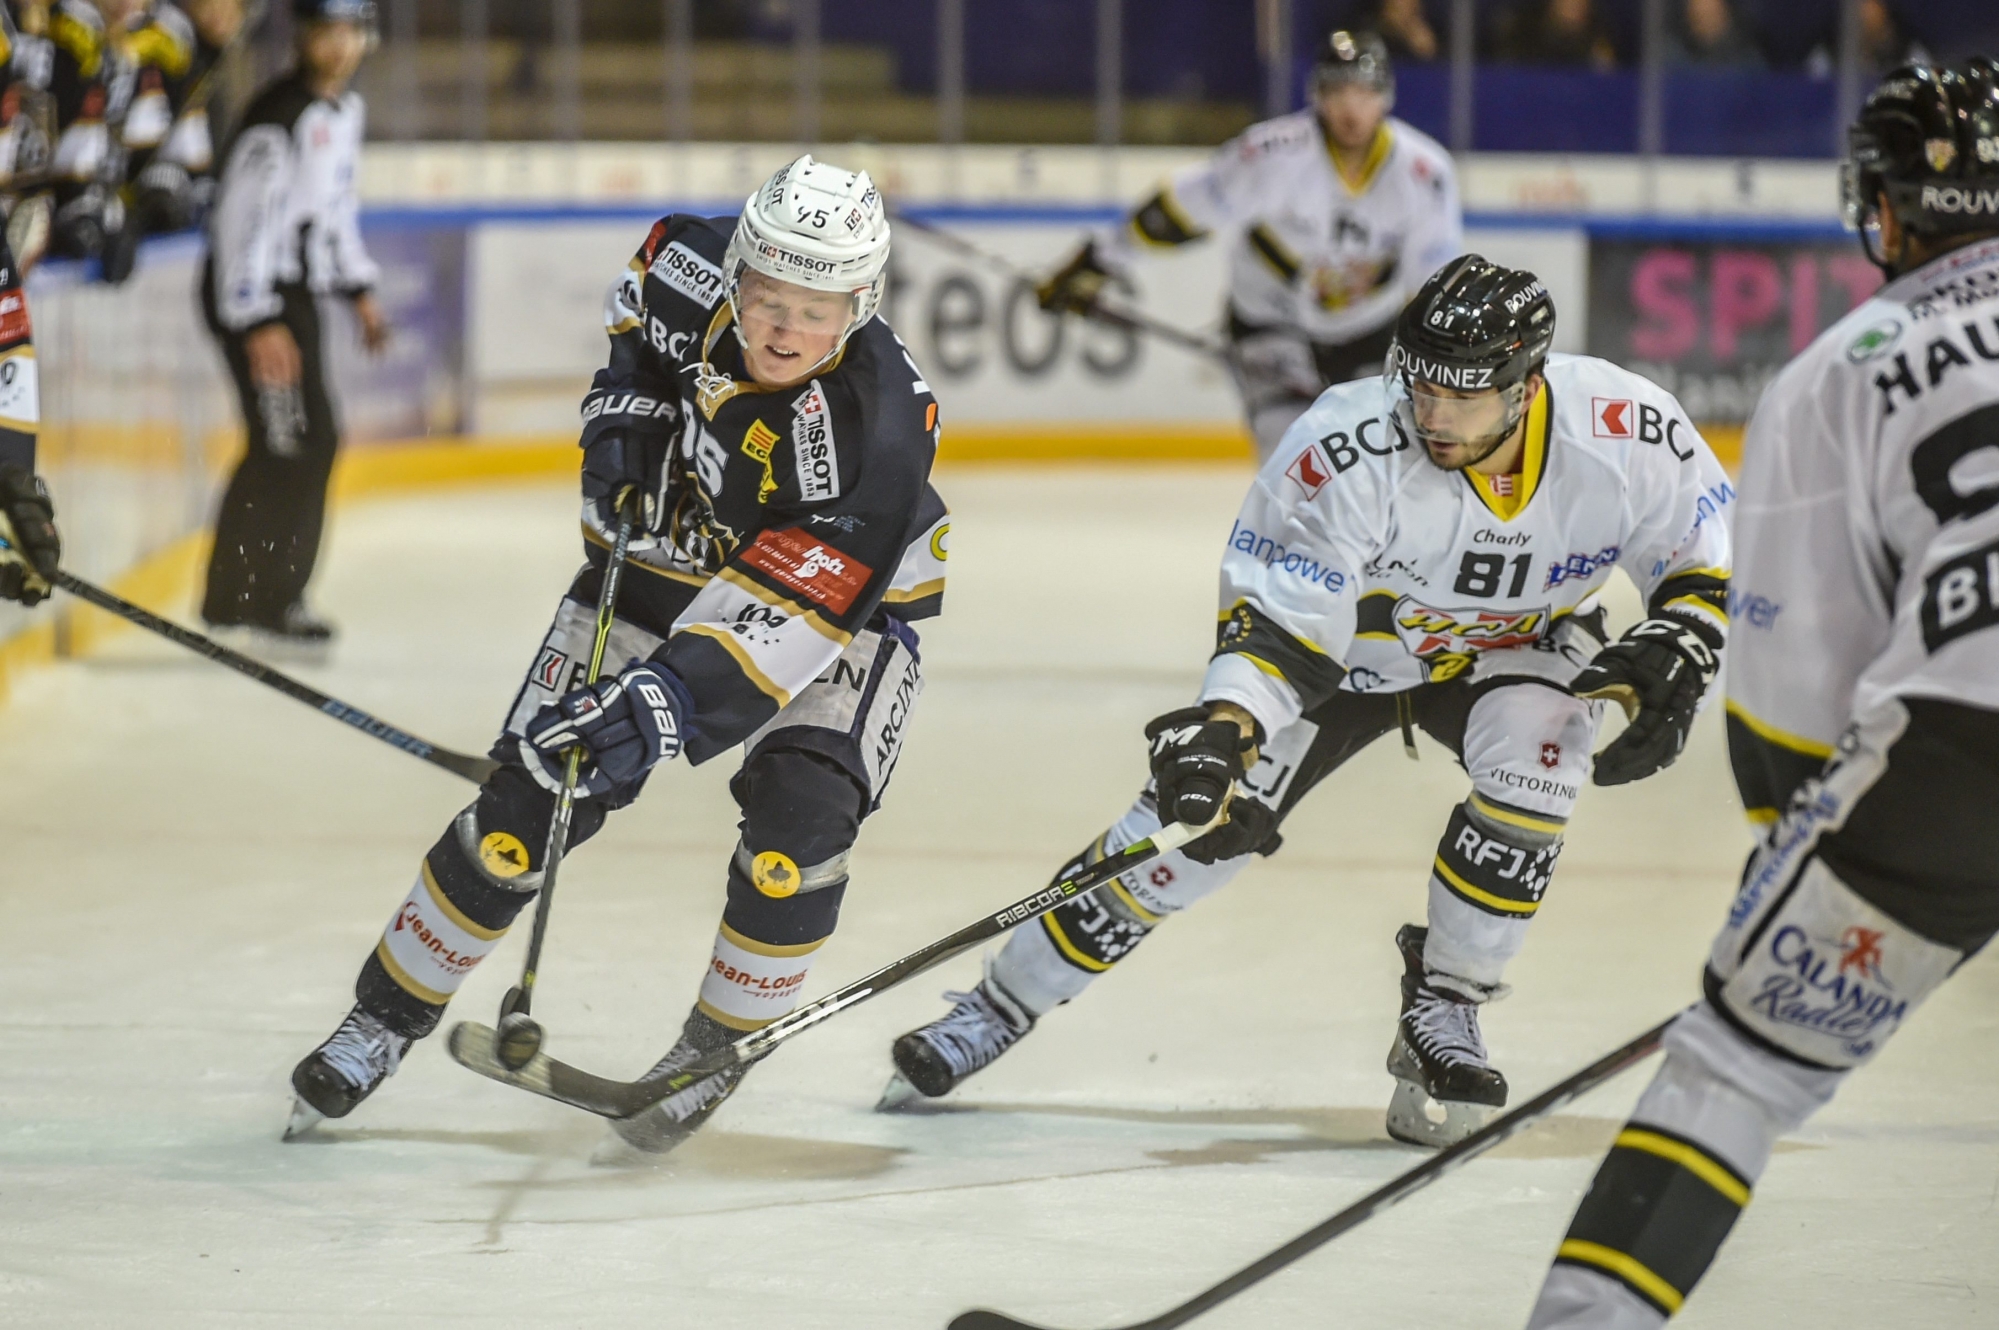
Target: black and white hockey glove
x,y
626,725
1075,287
1195,765
27,524
1658,672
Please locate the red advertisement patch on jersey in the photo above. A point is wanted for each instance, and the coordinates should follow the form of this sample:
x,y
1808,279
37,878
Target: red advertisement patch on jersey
x,y
1611,417
654,239
13,318
1310,471
810,567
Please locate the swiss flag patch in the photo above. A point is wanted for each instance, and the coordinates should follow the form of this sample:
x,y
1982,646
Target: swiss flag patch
x,y
1611,417
1309,472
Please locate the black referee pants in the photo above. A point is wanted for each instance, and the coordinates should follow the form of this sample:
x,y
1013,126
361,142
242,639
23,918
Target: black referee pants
x,y
268,530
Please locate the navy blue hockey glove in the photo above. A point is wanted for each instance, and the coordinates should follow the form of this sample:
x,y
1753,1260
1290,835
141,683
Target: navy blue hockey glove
x,y
1195,765
27,524
615,461
1658,672
626,725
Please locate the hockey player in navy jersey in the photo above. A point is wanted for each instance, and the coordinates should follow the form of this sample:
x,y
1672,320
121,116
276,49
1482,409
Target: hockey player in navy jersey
x,y
1863,711
1425,548
781,438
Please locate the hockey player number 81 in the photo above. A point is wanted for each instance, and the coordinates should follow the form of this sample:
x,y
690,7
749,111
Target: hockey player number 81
x,y
1479,574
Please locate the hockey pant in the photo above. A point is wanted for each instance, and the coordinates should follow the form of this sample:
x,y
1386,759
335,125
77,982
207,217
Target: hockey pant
x,y
1876,884
808,780
1280,372
1526,744
267,530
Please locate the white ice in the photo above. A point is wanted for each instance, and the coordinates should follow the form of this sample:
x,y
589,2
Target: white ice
x,y
194,867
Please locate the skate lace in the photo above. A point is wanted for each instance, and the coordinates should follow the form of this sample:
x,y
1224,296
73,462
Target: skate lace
x,y
972,1033
1445,1030
363,1049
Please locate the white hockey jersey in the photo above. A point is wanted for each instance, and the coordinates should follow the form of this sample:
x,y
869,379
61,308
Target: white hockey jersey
x,y
1331,256
1356,563
1869,525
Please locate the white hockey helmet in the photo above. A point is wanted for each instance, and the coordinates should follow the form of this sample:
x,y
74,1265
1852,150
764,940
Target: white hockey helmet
x,y
817,226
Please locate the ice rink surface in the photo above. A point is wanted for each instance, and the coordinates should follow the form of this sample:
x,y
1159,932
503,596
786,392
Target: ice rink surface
x,y
194,868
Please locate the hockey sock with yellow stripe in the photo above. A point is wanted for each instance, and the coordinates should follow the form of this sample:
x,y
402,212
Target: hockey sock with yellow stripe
x,y
1658,1212
778,915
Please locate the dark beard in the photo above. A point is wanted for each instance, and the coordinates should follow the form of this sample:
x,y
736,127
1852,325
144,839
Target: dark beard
x,y
1472,459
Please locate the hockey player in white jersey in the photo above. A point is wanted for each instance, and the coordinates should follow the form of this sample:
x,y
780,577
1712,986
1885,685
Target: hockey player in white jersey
x,y
1340,212
1427,548
1863,702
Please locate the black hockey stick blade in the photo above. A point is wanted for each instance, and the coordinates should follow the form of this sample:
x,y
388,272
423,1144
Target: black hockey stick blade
x,y
1099,313
474,769
476,1047
1396,1189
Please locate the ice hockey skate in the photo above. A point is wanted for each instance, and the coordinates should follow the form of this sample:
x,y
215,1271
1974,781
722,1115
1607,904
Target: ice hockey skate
x,y
1444,1088
340,1073
296,637
934,1059
644,1137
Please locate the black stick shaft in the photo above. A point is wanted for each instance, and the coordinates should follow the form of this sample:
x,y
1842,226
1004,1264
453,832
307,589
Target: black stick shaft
x,y
565,803
1117,318
474,769
760,1043
1383,1197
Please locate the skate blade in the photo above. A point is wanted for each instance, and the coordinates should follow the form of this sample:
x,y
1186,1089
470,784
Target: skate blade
x,y
1414,1118
303,1119
899,1096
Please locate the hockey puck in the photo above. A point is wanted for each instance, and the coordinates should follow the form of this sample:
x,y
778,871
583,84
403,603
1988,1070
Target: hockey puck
x,y
519,1040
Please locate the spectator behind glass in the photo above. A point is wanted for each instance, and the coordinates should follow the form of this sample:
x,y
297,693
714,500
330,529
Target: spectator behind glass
x,y
1554,32
1403,26
1885,44
1710,32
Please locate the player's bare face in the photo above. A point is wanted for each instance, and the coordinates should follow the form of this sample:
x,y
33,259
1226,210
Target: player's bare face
x,y
1351,112
787,329
1461,429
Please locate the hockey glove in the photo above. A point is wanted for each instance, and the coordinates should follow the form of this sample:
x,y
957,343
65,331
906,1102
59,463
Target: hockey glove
x,y
27,524
1195,765
1657,671
1076,286
616,461
626,725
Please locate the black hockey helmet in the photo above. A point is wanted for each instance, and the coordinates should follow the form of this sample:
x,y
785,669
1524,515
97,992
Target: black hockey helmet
x,y
1474,328
1353,57
1927,139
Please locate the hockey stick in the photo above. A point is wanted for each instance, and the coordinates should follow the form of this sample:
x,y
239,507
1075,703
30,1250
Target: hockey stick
x,y
1108,314
520,1035
477,1046
474,769
1381,1198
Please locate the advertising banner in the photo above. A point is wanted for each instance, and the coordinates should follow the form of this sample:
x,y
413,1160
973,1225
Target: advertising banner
x,y
1713,320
